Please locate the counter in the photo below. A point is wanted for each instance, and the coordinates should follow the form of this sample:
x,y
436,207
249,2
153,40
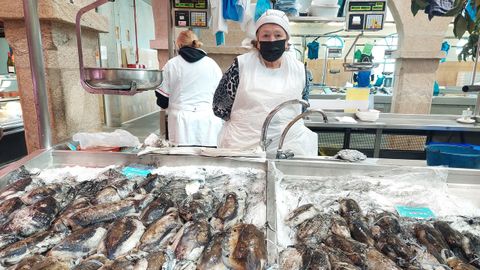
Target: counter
x,y
392,135
460,182
12,143
440,104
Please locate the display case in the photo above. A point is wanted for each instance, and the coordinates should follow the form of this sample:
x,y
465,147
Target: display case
x,y
12,134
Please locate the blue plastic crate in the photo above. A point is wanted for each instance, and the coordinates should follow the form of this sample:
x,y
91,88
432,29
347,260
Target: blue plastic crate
x,y
453,155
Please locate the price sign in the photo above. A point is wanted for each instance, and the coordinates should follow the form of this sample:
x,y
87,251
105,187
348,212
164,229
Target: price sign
x,y
365,15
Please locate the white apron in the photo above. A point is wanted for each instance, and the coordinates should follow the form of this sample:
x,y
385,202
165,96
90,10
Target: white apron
x,y
190,87
259,91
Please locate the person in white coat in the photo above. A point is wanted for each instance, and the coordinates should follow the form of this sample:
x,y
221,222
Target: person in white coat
x,y
255,84
189,82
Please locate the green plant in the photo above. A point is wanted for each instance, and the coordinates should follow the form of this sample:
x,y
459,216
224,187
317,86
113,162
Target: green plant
x,y
462,23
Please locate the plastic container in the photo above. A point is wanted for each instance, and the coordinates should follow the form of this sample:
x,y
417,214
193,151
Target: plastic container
x,y
304,5
455,156
368,116
325,2
324,11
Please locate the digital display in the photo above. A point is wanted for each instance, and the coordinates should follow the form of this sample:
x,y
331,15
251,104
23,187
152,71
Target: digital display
x,y
366,6
191,4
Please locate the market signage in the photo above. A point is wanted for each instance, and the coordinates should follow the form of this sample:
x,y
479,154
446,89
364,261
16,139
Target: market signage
x,y
366,15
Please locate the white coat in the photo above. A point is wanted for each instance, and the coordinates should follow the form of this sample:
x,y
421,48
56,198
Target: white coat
x,y
259,91
190,88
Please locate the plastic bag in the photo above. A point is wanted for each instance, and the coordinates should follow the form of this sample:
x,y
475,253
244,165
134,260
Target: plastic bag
x,y
262,6
118,138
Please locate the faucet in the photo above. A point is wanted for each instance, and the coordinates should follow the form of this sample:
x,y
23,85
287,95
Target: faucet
x,y
474,88
264,143
281,154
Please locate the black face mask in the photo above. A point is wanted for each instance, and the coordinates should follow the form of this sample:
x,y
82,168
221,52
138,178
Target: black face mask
x,y
272,50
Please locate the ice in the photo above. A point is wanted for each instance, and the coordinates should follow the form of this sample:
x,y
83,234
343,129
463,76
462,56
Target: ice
x,y
77,173
375,191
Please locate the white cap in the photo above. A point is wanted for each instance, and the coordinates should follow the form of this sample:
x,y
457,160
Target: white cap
x,y
276,17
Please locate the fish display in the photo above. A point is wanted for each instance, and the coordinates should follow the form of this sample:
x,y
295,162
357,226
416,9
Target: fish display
x,y
352,239
160,221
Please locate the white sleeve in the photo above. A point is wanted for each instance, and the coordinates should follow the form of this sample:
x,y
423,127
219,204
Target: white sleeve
x,y
167,73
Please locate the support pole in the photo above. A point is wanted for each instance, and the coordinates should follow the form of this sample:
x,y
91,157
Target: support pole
x,y
37,66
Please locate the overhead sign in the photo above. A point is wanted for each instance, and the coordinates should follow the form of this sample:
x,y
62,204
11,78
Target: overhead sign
x,y
365,15
191,13
190,4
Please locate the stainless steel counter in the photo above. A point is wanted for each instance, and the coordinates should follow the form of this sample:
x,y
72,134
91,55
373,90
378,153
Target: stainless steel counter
x,y
462,182
392,135
453,104
397,121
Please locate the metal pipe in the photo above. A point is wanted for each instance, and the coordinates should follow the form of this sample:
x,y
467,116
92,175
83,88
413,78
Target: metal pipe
x,y
37,67
171,31
136,31
325,66
263,139
280,152
351,47
476,62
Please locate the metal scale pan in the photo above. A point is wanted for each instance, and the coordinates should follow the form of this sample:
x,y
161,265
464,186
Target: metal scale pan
x,y
112,81
357,66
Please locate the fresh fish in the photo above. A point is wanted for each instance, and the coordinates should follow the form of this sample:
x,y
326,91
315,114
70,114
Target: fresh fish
x,y
396,249
88,265
354,250
388,222
200,205
313,231
107,195
135,261
185,265
36,244
93,262
116,191
122,237
339,226
40,193
349,208
15,189
9,206
424,260
300,214
244,248
158,235
458,243
212,255
155,260
315,259
89,189
360,231
110,211
34,218
432,239
154,184
377,261
28,263
155,210
63,222
80,244
110,175
457,264
17,174
46,263
7,239
338,259
191,240
231,211
475,241
291,258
